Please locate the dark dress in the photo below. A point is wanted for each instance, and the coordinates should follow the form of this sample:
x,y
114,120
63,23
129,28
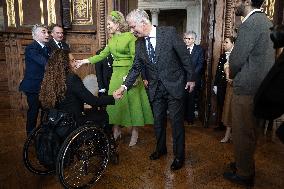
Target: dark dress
x,y
104,72
221,83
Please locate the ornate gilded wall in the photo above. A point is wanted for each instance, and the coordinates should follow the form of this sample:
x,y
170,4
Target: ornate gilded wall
x,y
85,32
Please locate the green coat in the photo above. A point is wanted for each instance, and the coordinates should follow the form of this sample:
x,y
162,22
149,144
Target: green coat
x,y
134,108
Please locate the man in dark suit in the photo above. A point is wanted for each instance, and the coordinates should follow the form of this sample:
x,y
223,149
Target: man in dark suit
x,y
197,59
250,60
57,40
36,56
165,57
103,73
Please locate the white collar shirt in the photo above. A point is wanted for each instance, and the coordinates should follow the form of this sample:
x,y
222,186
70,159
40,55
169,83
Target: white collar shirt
x,y
153,37
190,48
41,44
57,43
249,14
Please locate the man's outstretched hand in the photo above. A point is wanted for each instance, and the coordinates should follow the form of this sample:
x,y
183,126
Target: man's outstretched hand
x,y
118,94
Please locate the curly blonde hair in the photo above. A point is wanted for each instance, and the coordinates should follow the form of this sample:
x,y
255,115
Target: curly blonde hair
x,y
53,87
118,18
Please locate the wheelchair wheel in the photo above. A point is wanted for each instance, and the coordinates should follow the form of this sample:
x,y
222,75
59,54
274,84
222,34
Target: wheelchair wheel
x,y
83,157
30,158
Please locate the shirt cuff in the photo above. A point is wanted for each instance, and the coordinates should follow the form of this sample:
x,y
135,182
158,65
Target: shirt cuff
x,y
102,90
125,88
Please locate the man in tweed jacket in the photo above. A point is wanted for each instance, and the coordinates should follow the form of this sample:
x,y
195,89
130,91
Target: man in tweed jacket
x,y
250,61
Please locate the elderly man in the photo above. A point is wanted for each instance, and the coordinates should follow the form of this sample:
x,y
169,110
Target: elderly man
x,y
36,56
197,59
56,42
250,61
165,59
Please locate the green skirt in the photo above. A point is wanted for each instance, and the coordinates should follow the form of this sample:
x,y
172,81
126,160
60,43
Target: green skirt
x,y
134,108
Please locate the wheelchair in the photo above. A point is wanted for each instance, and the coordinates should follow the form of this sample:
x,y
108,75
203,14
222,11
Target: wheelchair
x,y
82,156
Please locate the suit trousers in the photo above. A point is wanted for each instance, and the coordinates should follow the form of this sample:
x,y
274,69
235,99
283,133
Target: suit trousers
x,y
189,105
162,102
244,126
33,109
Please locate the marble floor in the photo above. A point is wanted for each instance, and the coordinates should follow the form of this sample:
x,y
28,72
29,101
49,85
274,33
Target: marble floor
x,y
206,160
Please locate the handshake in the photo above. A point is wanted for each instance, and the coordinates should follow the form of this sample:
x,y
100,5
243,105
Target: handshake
x,y
118,94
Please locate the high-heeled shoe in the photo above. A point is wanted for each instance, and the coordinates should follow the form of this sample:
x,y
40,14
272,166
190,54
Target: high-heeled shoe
x,y
134,137
226,140
227,137
116,132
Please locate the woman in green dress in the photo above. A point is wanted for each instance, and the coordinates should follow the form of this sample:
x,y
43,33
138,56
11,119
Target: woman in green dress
x,y
133,110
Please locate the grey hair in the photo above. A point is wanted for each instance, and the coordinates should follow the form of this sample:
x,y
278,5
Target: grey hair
x,y
35,28
192,33
138,16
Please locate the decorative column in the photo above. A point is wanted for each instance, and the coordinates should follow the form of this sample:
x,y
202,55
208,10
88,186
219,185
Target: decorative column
x,y
154,15
229,16
193,21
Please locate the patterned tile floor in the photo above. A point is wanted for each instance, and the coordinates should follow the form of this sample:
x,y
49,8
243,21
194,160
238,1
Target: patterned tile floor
x,y
206,160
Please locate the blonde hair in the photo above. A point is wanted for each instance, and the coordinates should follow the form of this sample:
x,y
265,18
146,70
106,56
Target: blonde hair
x,y
118,18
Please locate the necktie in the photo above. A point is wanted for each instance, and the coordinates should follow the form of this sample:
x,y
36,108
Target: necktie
x,y
151,51
60,45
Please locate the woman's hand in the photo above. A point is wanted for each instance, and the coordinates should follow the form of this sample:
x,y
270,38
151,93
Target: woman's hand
x,y
230,81
79,63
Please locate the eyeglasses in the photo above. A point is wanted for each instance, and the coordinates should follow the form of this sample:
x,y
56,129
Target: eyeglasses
x,y
188,38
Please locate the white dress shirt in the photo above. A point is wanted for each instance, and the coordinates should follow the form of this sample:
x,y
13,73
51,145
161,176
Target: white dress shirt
x,y
153,37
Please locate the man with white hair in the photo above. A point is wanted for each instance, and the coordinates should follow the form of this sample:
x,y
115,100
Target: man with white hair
x,y
197,59
36,56
165,59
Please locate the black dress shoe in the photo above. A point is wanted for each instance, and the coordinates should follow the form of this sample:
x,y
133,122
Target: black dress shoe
x,y
156,155
177,164
237,179
233,168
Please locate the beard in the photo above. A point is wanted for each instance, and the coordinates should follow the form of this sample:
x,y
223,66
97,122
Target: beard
x,y
240,10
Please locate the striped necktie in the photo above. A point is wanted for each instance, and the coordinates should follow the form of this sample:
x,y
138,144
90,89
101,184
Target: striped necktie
x,y
60,45
151,51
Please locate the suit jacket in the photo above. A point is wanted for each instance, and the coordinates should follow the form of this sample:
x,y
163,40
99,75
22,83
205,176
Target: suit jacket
x,y
35,61
104,71
172,58
197,57
269,99
253,54
77,94
53,46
